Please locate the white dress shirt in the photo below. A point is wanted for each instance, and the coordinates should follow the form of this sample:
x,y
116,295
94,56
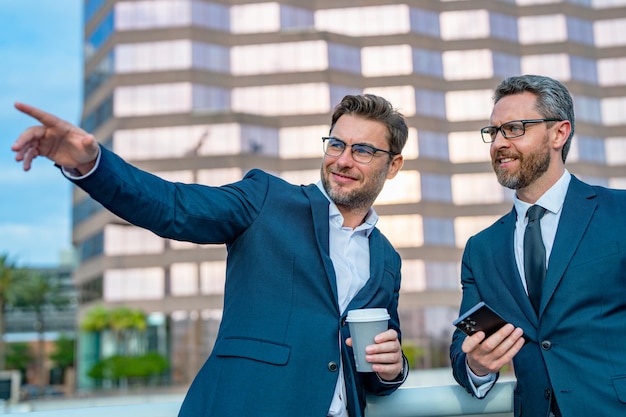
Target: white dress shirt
x,y
349,251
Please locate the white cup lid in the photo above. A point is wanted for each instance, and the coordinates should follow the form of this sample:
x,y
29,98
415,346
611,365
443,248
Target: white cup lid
x,y
367,314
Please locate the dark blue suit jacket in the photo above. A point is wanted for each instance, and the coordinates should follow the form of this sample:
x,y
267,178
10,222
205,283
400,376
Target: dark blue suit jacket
x,y
577,348
277,351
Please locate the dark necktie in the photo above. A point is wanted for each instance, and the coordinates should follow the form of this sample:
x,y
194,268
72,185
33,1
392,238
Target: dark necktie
x,y
534,255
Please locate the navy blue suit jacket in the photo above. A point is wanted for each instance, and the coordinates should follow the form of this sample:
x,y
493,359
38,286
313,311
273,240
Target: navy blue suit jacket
x,y
577,345
277,350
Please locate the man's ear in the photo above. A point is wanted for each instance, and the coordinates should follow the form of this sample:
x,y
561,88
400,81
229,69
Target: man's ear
x,y
395,166
562,132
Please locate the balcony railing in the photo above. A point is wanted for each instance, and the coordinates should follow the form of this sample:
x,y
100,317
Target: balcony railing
x,y
432,401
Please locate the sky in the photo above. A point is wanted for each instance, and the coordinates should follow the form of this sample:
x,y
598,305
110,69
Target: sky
x,y
40,64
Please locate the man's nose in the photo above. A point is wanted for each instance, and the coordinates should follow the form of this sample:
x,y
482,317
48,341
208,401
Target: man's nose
x,y
346,159
499,140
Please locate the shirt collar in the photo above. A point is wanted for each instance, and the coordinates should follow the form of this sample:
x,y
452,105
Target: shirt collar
x,y
552,200
335,216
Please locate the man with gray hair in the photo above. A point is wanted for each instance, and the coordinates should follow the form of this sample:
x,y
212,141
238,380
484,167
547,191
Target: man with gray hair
x,y
554,267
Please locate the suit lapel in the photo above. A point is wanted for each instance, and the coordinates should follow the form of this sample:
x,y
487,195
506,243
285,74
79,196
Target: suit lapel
x,y
319,213
503,248
577,211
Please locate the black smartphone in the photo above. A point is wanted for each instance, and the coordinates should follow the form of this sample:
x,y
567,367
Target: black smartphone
x,y
480,317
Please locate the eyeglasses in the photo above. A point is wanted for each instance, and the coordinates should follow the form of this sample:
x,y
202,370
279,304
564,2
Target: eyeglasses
x,y
363,154
510,130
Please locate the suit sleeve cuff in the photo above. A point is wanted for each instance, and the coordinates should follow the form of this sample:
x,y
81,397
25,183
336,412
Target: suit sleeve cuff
x,y
480,384
73,174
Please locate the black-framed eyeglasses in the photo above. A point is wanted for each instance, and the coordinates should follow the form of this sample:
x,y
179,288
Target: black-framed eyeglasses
x,y
510,130
363,154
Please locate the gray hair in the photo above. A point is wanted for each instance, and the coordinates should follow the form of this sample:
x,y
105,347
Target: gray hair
x,y
553,99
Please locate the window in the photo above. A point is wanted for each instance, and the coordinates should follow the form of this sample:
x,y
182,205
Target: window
x,y
219,176
130,240
302,142
152,14
542,29
413,276
344,58
255,18
381,20
212,277
613,110
436,187
404,231
133,284
467,65
615,150
609,33
551,65
388,60
591,149
430,103
302,177
438,231
468,105
466,147
503,26
427,62
153,99
282,99
433,145
466,227
277,58
482,188
590,109
442,275
178,141
171,55
404,188
466,24
425,22
184,279
505,65
612,71
259,140
154,56
401,97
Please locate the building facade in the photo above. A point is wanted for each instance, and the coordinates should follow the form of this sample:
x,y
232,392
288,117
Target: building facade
x,y
202,91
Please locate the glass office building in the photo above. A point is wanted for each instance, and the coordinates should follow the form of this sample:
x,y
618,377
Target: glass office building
x,y
202,91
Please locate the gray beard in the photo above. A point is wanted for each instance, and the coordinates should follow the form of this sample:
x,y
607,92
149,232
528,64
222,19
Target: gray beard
x,y
531,168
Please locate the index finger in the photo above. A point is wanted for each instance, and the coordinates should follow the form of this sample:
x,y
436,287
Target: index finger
x,y
386,336
43,117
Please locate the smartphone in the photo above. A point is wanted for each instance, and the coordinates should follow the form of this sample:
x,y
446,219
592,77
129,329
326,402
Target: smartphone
x,y
480,317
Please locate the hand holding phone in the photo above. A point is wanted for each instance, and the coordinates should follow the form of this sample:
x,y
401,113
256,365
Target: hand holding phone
x,y
481,317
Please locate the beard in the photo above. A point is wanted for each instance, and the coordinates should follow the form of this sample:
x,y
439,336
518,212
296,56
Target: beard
x,y
531,167
360,199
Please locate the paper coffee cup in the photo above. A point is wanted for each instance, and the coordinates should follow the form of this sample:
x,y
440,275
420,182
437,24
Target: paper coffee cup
x,y
364,325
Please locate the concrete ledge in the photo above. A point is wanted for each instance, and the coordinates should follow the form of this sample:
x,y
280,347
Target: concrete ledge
x,y
443,400
430,401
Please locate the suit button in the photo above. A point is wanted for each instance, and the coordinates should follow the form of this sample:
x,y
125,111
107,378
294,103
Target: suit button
x,y
332,366
546,345
547,393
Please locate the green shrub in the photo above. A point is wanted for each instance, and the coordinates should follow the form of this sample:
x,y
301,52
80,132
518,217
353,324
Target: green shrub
x,y
118,367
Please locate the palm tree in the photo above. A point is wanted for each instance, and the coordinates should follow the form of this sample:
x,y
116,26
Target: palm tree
x,y
96,319
124,323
